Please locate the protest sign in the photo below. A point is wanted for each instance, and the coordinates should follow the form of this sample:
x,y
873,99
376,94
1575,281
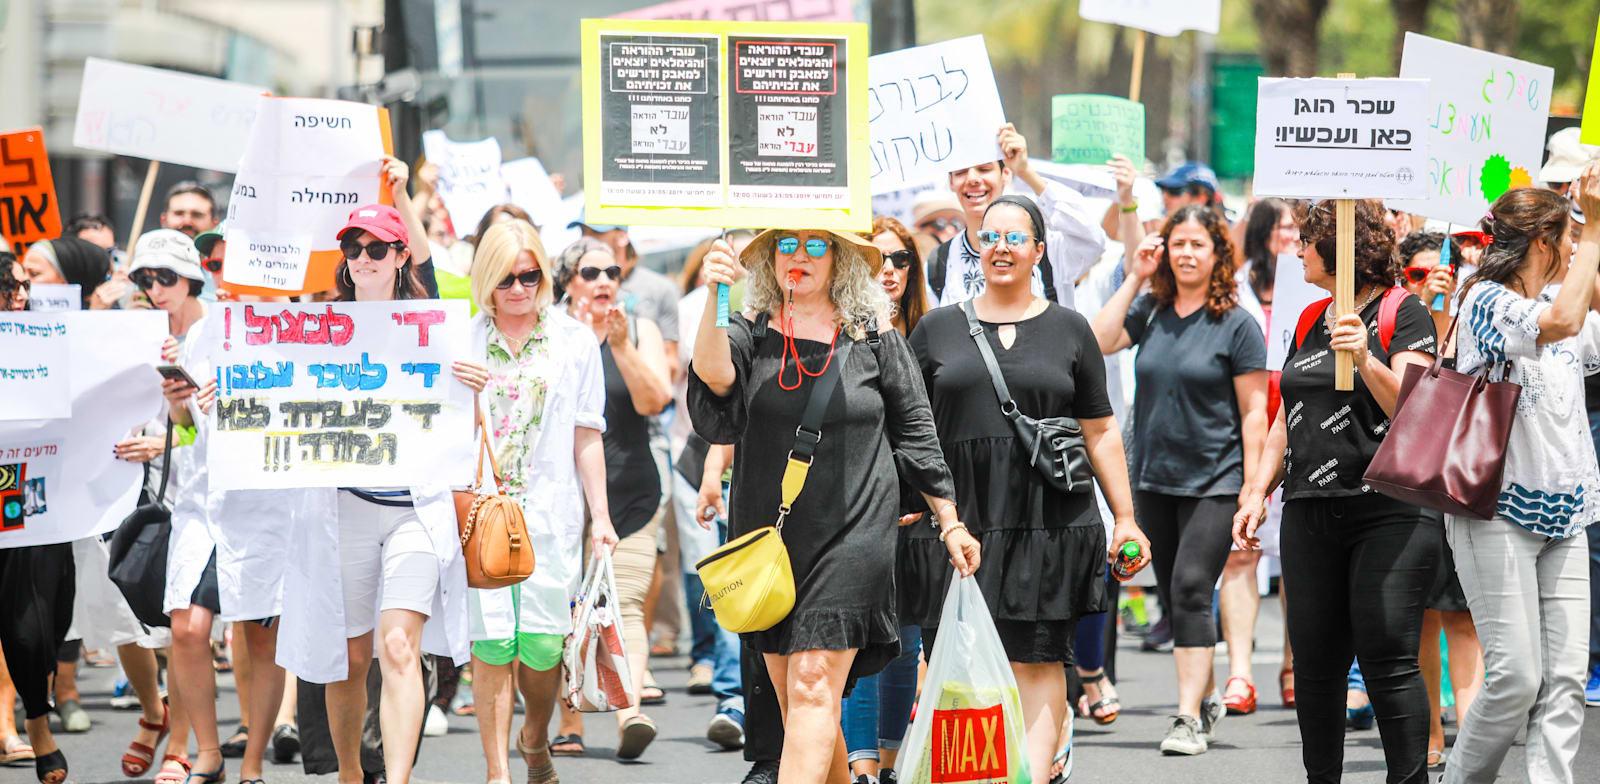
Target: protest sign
x,y
33,366
1342,138
308,164
1091,128
1162,17
726,124
164,115
1486,122
1590,133
1291,295
59,478
28,208
932,109
469,177
346,394
50,297
748,10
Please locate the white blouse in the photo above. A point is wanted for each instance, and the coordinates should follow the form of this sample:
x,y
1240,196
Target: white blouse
x,y
1550,459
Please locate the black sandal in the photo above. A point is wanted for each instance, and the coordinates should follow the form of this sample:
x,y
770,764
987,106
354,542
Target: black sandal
x,y
233,748
1112,703
567,740
51,768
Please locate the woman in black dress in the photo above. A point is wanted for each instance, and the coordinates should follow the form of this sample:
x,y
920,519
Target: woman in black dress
x,y
745,388
1047,549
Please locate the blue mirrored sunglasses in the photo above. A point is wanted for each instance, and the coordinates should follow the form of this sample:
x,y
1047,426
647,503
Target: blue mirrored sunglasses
x,y
988,239
815,247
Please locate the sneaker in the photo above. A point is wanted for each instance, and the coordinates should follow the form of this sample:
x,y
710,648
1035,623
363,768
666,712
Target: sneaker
x,y
122,696
1184,737
1212,709
888,776
763,772
700,679
727,729
865,778
1159,639
73,717
1591,693
435,724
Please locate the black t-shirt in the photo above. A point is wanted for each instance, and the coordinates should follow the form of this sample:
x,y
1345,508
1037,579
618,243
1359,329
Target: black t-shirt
x,y
1333,435
1188,435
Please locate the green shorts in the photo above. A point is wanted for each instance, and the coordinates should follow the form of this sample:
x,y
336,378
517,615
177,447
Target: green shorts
x,y
538,651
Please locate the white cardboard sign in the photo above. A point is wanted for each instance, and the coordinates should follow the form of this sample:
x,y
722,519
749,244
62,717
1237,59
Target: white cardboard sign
x,y
1341,138
1291,294
164,115
1486,123
1162,17
61,474
932,109
344,394
469,177
34,372
50,297
309,163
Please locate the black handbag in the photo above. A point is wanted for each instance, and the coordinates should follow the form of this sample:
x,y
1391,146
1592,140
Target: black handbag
x,y
138,552
1055,445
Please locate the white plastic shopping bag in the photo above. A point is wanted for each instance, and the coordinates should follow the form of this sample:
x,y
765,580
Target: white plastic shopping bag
x,y
594,659
969,724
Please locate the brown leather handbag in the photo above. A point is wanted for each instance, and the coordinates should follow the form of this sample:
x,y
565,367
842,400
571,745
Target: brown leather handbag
x,y
1446,447
494,535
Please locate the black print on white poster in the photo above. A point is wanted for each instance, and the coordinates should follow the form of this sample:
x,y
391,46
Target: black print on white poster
x,y
788,137
658,104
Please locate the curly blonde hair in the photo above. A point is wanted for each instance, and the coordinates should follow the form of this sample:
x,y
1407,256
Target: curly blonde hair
x,y
854,291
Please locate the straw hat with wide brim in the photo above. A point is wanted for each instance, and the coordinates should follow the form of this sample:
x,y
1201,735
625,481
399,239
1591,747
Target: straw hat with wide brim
x,y
848,249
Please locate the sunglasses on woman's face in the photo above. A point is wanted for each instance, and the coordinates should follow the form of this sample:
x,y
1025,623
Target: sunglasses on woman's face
x,y
988,239
529,280
1416,275
375,251
901,259
147,277
815,247
613,272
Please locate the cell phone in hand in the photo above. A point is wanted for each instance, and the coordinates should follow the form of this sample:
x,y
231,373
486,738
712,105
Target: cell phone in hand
x,y
175,373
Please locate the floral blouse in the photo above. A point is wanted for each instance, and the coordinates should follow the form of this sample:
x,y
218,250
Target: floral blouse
x,y
518,385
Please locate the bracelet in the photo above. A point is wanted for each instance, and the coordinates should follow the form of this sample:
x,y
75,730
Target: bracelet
x,y
946,532
941,508
1134,207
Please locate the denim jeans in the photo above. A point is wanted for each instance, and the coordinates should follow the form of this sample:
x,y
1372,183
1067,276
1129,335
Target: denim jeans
x,y
713,645
876,713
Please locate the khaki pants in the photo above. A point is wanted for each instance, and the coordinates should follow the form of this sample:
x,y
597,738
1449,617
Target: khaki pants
x,y
635,563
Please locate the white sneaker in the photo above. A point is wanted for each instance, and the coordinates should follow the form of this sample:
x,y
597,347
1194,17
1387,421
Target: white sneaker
x,y
1211,712
1184,737
435,724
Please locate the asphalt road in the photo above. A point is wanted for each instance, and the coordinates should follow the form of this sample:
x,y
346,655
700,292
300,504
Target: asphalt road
x,y
1260,748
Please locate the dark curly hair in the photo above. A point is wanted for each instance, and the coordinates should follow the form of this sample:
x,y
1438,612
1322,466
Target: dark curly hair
x,y
1376,263
1517,219
1424,241
1221,294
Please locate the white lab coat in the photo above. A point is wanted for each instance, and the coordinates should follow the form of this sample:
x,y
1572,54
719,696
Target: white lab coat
x,y
553,503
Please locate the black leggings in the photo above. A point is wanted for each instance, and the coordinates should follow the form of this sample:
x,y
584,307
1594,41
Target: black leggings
x,y
1189,542
38,585
1361,570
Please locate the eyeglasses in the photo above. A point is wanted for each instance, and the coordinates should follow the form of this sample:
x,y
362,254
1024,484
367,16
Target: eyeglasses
x,y
147,277
613,272
816,247
901,259
529,280
937,225
375,251
988,239
213,264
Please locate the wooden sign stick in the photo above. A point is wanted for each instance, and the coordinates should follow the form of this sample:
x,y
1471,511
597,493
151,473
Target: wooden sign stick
x,y
144,206
1138,68
1344,294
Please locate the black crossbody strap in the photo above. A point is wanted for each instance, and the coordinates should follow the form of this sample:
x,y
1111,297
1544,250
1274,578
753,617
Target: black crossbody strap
x,y
1008,406
166,464
809,433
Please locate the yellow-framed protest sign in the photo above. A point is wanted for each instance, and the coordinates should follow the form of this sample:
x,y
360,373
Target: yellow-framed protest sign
x,y
726,124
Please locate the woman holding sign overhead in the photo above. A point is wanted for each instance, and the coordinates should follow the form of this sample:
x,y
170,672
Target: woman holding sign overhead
x,y
1361,563
1198,422
817,310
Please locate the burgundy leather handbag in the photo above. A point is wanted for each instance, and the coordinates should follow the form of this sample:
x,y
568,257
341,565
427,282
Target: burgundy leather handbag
x,y
1446,447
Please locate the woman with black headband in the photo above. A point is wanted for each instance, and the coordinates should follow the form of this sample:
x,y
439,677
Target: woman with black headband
x,y
1046,547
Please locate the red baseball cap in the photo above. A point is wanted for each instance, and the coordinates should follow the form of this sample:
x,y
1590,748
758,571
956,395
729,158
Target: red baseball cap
x,y
379,220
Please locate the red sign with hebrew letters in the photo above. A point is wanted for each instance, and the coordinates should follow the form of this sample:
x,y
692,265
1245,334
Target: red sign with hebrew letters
x,y
969,745
28,209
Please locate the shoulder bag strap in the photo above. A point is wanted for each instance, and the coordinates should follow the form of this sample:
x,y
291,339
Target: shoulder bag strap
x,y
809,433
938,261
1008,406
484,447
166,464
